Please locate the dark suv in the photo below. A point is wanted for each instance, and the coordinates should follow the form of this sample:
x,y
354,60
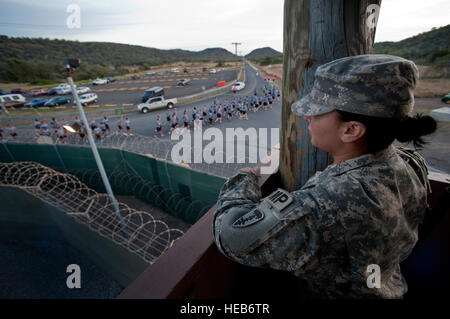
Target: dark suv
x,y
154,91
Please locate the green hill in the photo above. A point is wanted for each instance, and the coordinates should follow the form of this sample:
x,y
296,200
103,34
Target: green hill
x,y
265,56
39,60
263,52
430,48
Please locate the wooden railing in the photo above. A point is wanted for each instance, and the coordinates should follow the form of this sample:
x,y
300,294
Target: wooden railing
x,y
194,269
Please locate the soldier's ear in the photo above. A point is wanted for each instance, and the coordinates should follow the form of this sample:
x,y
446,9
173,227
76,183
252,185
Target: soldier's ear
x,y
353,131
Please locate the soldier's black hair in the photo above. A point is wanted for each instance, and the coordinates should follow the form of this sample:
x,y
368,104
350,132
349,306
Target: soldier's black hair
x,y
381,132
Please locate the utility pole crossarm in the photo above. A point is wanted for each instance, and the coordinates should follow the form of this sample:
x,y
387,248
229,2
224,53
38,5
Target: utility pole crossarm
x,y
235,46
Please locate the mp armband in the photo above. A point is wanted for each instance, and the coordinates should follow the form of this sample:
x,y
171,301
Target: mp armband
x,y
242,231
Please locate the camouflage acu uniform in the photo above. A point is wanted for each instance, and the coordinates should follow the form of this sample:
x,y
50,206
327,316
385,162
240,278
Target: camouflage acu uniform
x,y
360,212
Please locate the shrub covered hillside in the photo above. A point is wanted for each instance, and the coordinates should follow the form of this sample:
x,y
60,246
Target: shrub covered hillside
x,y
265,56
38,60
430,48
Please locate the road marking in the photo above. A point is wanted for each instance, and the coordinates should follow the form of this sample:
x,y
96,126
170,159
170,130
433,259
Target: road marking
x,y
167,87
122,89
60,107
195,78
44,108
94,105
110,104
127,104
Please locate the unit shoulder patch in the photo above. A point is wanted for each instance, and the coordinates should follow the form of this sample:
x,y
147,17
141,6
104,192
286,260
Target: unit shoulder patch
x,y
248,219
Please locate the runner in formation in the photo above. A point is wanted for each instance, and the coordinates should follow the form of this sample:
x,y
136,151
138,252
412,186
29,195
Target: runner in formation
x,y
237,106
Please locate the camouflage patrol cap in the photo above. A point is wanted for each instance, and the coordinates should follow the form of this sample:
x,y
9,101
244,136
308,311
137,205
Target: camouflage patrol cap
x,y
376,85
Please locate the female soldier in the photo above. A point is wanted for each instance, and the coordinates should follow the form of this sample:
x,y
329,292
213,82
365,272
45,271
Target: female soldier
x,y
363,210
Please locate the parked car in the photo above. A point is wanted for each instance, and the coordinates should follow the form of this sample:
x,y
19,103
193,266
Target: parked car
x,y
183,82
110,80
160,73
38,92
88,98
17,91
175,70
446,98
83,90
13,100
150,73
63,90
64,85
152,92
99,81
238,86
212,71
52,91
36,102
156,103
59,100
3,92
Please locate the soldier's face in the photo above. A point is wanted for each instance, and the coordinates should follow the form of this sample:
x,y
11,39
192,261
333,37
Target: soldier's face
x,y
325,131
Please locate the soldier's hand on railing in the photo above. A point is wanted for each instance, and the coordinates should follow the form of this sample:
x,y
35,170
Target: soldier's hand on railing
x,y
256,170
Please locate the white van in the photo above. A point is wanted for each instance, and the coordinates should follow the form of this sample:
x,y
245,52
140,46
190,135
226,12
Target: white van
x,y
12,97
12,100
175,70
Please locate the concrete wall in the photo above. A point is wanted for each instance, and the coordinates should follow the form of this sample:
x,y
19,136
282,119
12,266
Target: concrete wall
x,y
24,217
199,190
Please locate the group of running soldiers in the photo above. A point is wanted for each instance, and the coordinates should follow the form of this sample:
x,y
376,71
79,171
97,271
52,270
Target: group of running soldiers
x,y
237,106
58,129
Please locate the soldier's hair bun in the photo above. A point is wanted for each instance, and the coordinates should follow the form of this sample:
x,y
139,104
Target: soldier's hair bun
x,y
381,132
411,129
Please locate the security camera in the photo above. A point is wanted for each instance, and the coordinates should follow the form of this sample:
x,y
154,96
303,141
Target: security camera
x,y
70,64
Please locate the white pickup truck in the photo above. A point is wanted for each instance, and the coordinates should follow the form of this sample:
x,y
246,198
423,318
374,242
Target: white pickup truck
x,y
157,102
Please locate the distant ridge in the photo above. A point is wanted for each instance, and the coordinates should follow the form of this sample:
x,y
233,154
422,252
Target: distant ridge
x,y
39,60
427,48
264,52
40,49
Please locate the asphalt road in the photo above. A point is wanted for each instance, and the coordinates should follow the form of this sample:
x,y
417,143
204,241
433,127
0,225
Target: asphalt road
x,y
145,124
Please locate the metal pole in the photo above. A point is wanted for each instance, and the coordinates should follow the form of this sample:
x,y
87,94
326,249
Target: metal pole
x,y
2,105
97,157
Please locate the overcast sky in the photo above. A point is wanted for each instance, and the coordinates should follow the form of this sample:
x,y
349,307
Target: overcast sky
x,y
195,24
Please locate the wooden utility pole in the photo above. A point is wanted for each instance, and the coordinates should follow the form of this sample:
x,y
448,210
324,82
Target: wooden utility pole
x,y
316,32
